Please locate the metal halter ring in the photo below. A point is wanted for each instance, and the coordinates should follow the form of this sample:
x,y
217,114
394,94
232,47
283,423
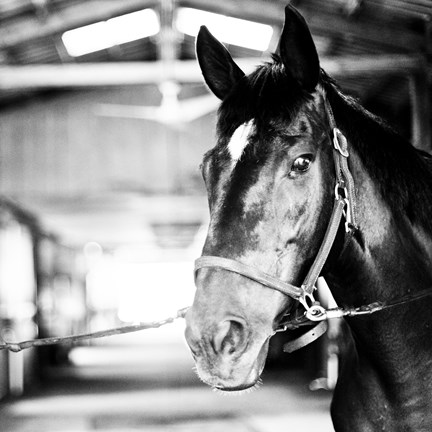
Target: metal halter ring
x,y
303,300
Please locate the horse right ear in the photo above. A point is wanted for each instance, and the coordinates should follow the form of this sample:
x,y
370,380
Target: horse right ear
x,y
297,50
218,68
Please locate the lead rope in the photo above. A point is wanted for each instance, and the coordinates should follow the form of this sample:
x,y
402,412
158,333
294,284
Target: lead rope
x,y
339,312
19,346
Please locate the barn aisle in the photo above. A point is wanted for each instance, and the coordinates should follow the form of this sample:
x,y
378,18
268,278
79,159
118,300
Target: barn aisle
x,y
146,383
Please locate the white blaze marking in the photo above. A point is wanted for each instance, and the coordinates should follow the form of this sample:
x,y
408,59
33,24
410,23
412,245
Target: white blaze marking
x,y
239,140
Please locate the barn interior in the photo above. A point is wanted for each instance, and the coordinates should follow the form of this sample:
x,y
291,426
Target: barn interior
x,y
104,119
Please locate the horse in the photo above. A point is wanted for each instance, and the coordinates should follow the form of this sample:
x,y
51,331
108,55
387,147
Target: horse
x,y
304,182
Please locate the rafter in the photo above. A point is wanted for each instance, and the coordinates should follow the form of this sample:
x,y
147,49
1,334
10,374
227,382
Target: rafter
x,y
186,71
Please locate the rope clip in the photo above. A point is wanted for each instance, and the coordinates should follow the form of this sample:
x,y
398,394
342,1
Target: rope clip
x,y
313,309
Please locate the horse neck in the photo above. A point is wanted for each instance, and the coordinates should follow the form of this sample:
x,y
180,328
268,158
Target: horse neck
x,y
389,368
392,260
394,255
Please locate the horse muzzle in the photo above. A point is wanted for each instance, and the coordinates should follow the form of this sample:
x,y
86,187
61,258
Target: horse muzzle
x,y
228,355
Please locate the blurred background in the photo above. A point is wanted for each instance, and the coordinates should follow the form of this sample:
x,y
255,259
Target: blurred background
x,y
103,123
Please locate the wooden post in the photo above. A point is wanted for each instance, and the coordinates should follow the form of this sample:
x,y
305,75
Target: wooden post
x,y
420,111
420,95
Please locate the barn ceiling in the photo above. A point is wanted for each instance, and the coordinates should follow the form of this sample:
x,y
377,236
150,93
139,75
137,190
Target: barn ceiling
x,y
379,51
354,33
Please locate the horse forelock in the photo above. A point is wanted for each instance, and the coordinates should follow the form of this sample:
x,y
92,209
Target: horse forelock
x,y
261,105
264,95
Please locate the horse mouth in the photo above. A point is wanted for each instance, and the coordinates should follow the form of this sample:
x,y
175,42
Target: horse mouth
x,y
221,385
239,390
234,379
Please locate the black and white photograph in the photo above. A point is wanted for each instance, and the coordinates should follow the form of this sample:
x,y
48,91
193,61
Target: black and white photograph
x,y
215,215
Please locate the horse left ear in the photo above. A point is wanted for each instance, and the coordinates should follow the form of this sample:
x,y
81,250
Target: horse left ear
x,y
297,50
220,71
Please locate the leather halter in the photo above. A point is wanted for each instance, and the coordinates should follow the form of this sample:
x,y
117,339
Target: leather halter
x,y
343,207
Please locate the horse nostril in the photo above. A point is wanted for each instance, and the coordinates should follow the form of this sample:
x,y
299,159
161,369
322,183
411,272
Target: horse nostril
x,y
229,337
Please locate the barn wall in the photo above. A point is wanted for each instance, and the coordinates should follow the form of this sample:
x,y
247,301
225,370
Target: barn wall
x,y
58,146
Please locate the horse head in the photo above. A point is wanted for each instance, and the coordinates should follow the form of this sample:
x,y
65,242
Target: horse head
x,y
270,181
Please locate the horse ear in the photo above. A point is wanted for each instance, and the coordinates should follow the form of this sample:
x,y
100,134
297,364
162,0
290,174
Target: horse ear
x,y
297,50
218,68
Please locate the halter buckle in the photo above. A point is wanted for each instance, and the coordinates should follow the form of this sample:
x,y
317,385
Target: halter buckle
x,y
341,192
348,216
342,149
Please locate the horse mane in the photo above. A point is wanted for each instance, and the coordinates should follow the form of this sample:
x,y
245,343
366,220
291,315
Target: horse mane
x,y
402,172
265,94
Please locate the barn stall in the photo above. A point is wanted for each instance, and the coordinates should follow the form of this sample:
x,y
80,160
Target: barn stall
x,y
104,119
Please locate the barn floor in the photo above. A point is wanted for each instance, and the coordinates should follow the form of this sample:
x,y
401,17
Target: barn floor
x,y
125,386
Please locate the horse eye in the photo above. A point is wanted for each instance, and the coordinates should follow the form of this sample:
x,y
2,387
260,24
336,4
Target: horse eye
x,y
301,164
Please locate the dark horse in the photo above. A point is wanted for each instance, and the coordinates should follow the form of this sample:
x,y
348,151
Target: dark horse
x,y
271,187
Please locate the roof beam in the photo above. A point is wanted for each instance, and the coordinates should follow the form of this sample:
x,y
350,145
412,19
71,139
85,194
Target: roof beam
x,y
186,71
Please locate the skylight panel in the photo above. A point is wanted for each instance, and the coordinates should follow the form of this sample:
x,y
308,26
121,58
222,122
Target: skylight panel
x,y
87,39
134,26
235,31
115,31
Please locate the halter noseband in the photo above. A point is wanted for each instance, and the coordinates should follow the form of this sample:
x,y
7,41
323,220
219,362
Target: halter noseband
x,y
344,207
